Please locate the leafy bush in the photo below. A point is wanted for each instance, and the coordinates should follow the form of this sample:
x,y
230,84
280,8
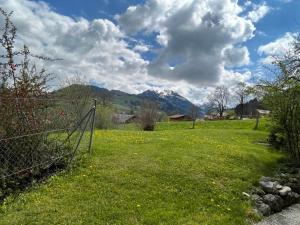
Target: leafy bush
x,y
282,96
147,116
104,117
26,151
284,100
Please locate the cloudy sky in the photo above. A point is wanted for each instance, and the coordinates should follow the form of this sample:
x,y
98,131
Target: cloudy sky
x,y
188,46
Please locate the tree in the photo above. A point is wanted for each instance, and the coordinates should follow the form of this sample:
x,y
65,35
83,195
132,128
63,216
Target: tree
x,y
282,96
23,109
218,100
194,112
148,116
105,117
242,92
77,90
250,107
291,61
105,98
19,79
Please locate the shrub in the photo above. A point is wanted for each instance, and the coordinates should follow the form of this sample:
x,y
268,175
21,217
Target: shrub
x,y
25,149
282,96
104,117
285,105
147,116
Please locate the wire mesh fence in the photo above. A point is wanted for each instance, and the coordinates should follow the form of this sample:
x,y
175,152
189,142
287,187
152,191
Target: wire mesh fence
x,y
39,133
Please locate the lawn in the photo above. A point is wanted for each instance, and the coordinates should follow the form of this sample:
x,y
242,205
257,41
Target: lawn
x,y
223,124
174,175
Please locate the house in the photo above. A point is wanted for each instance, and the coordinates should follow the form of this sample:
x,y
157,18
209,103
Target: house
x,y
215,116
210,117
123,118
180,117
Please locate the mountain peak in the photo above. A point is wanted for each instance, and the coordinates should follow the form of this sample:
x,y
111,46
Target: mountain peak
x,y
167,93
169,100
162,93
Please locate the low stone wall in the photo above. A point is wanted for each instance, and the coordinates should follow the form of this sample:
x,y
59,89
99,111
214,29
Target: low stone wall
x,y
277,193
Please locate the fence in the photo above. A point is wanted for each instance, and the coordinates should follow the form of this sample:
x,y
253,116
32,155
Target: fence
x,y
38,134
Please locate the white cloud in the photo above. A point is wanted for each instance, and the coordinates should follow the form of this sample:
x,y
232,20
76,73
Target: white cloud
x,y
203,37
141,48
277,48
258,12
96,49
198,38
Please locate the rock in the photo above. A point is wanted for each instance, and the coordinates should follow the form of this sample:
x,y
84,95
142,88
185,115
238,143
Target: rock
x,y
283,178
263,178
284,190
268,186
293,180
295,187
256,198
274,201
264,209
278,186
257,190
291,198
289,216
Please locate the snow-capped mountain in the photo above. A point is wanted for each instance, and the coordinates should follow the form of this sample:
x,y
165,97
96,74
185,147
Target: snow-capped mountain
x,y
170,101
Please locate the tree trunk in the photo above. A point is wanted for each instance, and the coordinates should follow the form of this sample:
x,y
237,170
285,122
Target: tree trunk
x,y
194,121
242,111
257,121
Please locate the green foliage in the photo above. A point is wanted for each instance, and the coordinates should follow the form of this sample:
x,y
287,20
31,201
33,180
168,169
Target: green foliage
x,y
282,96
104,117
24,148
285,105
171,176
148,116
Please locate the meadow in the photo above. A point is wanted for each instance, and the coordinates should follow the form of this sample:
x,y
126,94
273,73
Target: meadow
x,y
174,175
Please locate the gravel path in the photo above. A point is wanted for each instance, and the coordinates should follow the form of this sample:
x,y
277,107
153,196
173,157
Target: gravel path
x,y
289,216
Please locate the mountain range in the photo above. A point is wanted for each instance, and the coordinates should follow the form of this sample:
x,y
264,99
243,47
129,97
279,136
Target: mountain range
x,y
168,101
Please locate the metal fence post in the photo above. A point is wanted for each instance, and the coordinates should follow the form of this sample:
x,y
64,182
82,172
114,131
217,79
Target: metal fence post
x,y
92,126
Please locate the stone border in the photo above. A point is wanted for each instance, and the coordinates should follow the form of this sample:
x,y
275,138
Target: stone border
x,y
276,193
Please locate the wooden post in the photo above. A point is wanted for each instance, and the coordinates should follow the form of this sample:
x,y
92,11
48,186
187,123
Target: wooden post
x,y
257,121
92,126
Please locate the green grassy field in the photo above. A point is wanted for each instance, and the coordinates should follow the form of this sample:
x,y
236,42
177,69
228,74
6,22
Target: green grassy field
x,y
218,124
175,175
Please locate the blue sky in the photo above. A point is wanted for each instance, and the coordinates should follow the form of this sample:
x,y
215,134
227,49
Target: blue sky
x,y
189,46
283,17
92,9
